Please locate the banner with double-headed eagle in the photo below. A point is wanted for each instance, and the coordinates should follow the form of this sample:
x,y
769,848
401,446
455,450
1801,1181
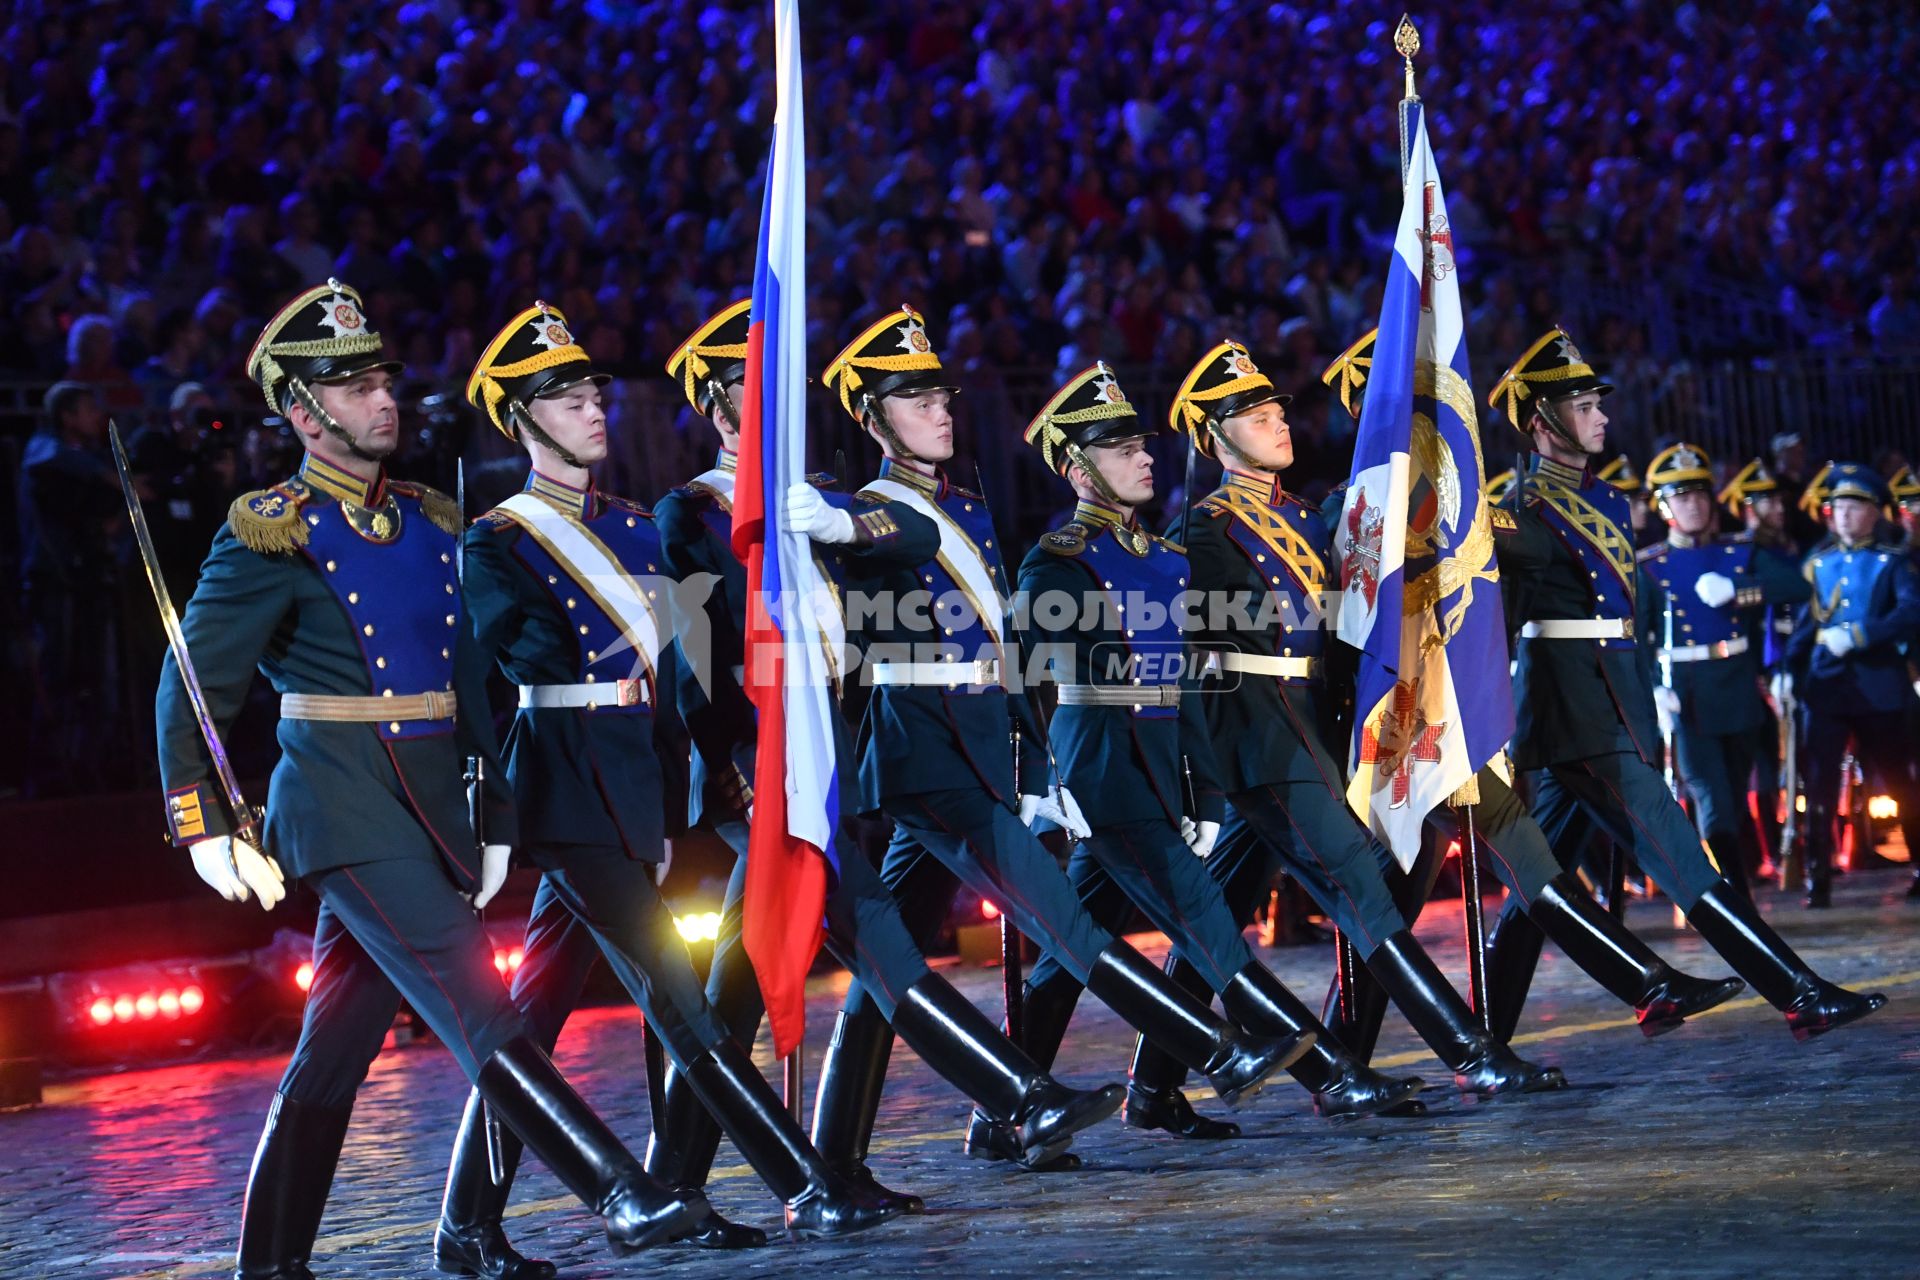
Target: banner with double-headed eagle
x,y
1420,593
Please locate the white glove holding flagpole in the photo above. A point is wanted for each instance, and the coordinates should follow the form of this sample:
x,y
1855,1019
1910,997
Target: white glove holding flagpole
x,y
1059,808
809,513
237,870
1714,589
1667,703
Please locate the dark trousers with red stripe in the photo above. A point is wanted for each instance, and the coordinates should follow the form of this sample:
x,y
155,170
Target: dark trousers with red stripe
x,y
388,932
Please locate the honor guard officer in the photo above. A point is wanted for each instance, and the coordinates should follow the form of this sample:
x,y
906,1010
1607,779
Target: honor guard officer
x,y
1259,558
340,585
1620,474
565,585
864,929
1105,597
1905,488
1555,901
935,755
1585,723
1753,496
1845,658
1698,594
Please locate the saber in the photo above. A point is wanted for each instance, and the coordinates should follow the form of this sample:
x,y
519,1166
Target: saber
x,y
246,818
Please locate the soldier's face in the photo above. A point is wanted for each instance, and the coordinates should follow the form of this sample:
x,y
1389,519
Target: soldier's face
x,y
1690,511
1127,468
1853,519
365,409
1582,418
729,429
1767,511
924,423
575,420
1261,436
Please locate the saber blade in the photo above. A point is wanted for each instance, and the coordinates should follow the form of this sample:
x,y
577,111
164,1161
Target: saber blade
x,y
245,821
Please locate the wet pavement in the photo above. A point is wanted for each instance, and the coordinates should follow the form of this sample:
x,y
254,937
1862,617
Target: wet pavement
x,y
1721,1149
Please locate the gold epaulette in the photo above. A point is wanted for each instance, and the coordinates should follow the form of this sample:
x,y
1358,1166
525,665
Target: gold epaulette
x,y
823,480
437,506
267,521
1069,539
1652,552
966,493
1169,544
626,504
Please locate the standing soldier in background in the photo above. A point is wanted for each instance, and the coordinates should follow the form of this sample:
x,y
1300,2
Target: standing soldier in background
x,y
1585,722
1754,498
340,585
1697,592
1847,662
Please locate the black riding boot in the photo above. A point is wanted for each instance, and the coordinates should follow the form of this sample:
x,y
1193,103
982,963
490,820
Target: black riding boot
x,y
820,1203
470,1240
1024,1115
852,1077
1342,1086
529,1096
680,1154
287,1188
1618,960
1480,1063
1236,1062
1732,926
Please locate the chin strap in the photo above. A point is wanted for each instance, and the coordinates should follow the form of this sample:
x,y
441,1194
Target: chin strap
x,y
1220,442
522,416
1551,416
304,396
724,403
870,406
1078,457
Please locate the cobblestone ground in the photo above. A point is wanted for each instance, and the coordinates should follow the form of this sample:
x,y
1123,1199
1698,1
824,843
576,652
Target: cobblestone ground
x,y
1722,1149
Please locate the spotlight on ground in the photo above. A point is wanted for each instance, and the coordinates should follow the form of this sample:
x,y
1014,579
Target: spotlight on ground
x,y
698,926
1883,808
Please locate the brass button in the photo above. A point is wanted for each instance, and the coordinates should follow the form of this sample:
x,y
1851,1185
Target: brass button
x,y
380,663
551,579
446,653
445,558
572,603
368,629
450,619
353,597
583,629
393,726
631,522
331,566
386,693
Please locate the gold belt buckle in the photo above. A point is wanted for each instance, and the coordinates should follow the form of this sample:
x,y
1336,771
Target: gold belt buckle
x,y
988,671
629,692
438,705
1626,628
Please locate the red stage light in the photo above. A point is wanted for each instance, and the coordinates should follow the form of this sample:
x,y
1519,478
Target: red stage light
x,y
499,960
515,958
192,1000
303,976
146,1006
101,1011
169,1004
988,910
123,1009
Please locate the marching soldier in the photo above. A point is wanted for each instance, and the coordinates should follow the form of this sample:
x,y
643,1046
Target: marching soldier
x,y
1620,474
936,757
855,544
1132,743
564,584
339,584
1237,544
1905,488
1582,690
1846,662
1696,594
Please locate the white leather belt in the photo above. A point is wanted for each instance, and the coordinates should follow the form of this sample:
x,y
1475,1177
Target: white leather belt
x,y
1579,629
981,671
1119,695
1262,664
1704,652
614,693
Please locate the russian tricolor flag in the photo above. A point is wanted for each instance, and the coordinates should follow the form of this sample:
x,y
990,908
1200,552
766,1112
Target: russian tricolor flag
x,y
796,812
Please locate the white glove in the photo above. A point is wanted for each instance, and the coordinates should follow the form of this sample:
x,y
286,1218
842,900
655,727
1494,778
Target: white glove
x,y
1199,836
1667,704
493,872
1059,808
666,863
813,515
236,870
1781,687
1838,641
1714,589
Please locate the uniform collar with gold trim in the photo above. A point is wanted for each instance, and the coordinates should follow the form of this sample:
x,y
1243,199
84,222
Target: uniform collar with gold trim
x,y
1264,485
933,486
1097,515
581,504
1682,541
343,484
728,461
1547,469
